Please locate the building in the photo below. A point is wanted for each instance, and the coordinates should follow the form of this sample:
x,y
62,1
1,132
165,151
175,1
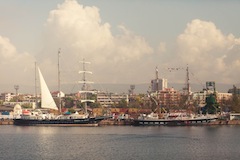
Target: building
x,y
234,116
158,84
234,90
56,94
109,99
200,98
223,97
169,97
6,97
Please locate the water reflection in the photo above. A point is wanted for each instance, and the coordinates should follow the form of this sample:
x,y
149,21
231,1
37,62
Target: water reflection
x,y
121,142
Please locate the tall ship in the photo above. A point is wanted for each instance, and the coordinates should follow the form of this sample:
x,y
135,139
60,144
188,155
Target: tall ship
x,y
176,119
45,116
179,118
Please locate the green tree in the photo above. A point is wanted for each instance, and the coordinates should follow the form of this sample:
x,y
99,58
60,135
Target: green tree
x,y
122,104
71,110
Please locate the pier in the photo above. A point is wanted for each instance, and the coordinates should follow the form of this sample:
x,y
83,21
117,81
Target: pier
x,y
6,122
130,122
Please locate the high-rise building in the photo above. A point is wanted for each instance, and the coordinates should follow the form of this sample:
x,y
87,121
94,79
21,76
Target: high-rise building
x,y
158,84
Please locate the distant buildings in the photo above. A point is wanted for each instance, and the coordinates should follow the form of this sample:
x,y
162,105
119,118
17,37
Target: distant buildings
x,y
6,97
166,97
109,99
158,84
169,97
57,95
234,90
200,97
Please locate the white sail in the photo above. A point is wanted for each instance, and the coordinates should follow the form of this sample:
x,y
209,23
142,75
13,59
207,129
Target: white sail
x,y
46,97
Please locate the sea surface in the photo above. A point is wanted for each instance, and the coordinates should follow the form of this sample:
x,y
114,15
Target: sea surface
x,y
120,143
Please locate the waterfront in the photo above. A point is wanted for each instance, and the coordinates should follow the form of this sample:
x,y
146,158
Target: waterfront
x,y
120,142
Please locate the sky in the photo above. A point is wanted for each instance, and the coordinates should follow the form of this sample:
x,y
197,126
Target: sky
x,y
124,41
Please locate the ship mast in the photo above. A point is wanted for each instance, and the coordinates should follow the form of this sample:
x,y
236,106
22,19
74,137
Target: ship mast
x,y
187,86
187,82
158,98
85,87
36,101
59,85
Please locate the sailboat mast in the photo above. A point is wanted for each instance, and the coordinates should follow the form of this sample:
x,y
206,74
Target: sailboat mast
x,y
36,85
59,85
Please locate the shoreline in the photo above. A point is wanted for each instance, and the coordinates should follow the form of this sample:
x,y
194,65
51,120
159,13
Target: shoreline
x,y
110,122
225,122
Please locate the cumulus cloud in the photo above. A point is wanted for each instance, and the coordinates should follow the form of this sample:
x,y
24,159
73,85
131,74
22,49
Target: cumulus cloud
x,y
15,67
162,48
80,32
124,57
210,53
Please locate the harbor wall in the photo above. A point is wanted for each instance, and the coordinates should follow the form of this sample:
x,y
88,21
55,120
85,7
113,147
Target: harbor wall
x,y
6,122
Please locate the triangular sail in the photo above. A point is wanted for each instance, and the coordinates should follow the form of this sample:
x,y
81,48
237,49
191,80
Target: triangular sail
x,y
46,97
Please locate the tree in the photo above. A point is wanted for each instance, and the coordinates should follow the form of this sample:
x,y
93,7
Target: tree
x,y
235,105
136,101
122,104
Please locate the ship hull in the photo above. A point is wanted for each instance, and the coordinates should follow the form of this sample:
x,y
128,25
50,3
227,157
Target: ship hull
x,y
86,122
172,122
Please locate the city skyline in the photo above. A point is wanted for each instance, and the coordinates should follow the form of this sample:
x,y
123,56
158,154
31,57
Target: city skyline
x,y
123,40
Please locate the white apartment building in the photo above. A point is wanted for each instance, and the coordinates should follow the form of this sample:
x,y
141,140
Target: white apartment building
x,y
158,84
221,97
6,97
108,99
200,97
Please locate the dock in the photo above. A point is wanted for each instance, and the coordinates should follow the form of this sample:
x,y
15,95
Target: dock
x,y
6,122
130,122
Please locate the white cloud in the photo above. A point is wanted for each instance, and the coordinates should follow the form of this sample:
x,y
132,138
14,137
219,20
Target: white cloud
x,y
15,67
210,53
7,50
122,58
162,48
80,32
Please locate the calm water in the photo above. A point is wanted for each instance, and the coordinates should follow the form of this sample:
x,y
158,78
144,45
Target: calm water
x,y
120,142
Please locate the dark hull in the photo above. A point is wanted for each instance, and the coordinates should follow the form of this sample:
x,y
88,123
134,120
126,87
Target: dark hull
x,y
172,122
58,122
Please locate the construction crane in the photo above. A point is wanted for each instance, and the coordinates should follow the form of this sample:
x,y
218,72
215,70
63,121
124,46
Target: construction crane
x,y
187,87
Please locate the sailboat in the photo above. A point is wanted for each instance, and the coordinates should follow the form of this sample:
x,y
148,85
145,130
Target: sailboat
x,y
42,118
46,97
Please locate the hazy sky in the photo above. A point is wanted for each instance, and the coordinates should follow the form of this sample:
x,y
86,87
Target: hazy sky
x,y
123,39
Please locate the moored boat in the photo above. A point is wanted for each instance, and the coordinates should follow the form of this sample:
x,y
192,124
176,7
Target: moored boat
x,y
63,122
194,120
45,116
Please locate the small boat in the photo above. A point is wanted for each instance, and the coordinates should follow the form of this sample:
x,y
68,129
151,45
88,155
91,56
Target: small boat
x,y
193,120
